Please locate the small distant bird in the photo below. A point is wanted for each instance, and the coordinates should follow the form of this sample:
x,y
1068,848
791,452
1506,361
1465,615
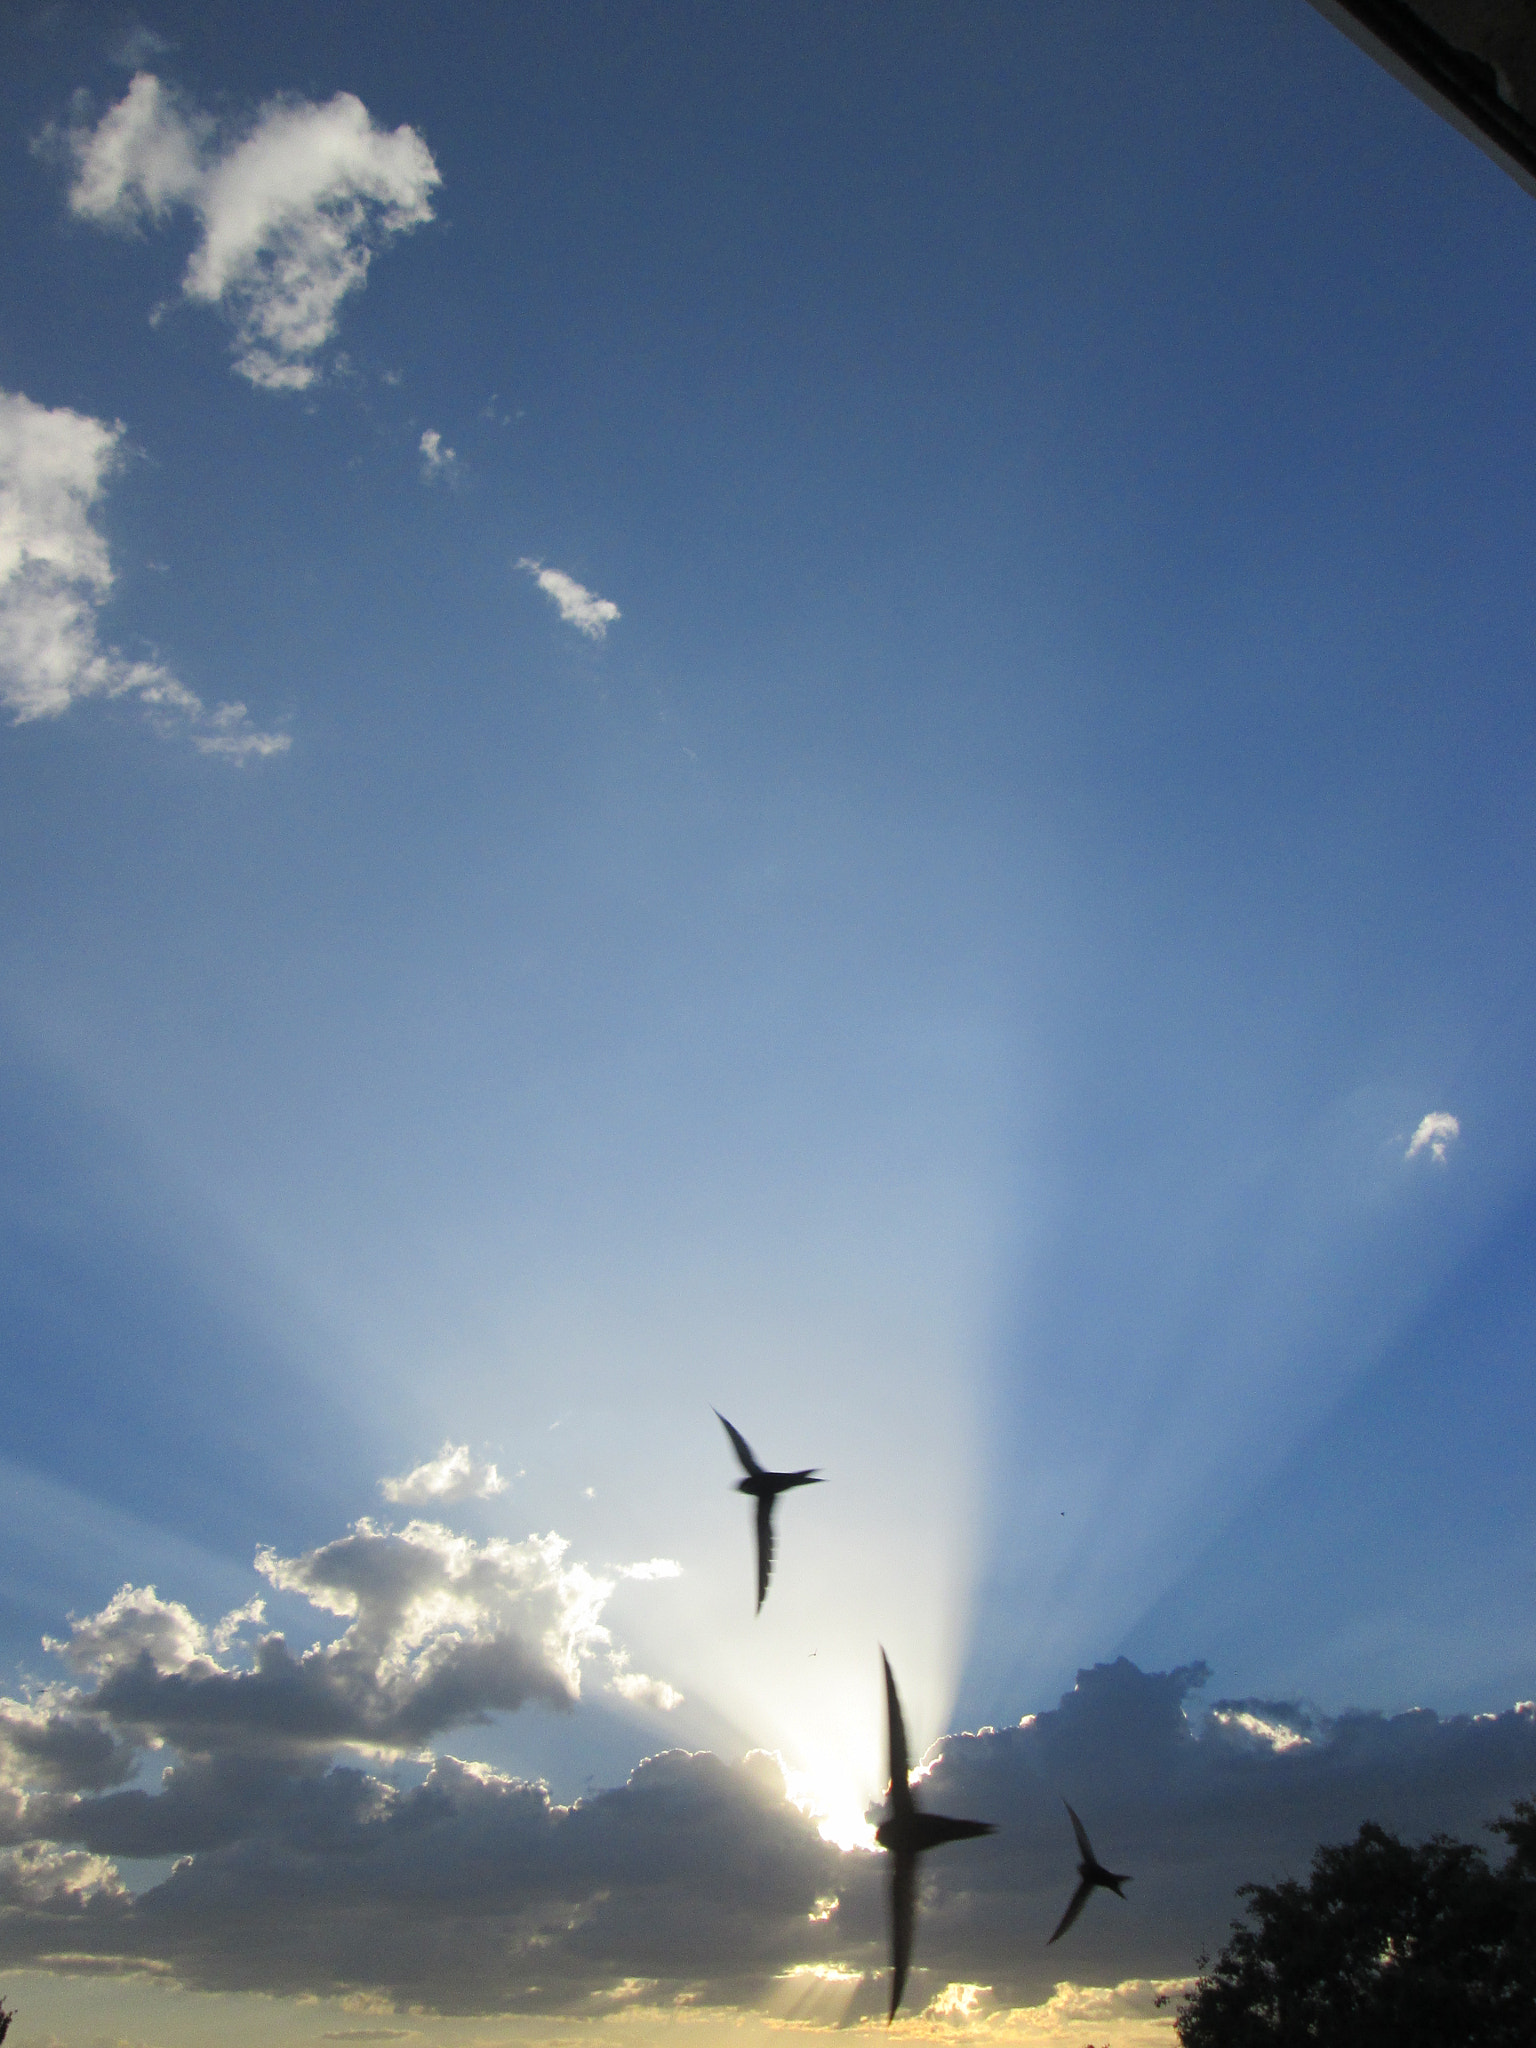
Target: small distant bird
x,y
1093,1876
906,1834
767,1486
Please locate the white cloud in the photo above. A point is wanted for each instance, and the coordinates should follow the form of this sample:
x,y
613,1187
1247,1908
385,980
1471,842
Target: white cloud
x,y
441,1630
1435,1132
56,574
638,1689
436,460
228,731
579,606
641,1691
452,1475
292,210
135,1623
652,1568
142,158
228,1631
54,567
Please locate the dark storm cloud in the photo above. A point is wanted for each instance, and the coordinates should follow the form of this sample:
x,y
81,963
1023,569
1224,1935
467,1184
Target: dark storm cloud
x,y
65,1751
475,1893
1194,1803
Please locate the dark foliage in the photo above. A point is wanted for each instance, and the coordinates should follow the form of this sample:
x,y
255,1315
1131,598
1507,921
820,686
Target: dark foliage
x,y
7,2014
1388,1946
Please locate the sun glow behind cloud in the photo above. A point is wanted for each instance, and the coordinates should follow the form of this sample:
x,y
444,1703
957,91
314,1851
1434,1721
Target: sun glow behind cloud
x,y
830,1791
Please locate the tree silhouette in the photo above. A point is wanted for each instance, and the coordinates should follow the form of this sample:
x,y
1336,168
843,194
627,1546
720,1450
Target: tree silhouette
x,y
1388,1946
7,2014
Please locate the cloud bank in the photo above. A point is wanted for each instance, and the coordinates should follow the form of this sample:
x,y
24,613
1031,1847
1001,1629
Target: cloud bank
x,y
292,209
56,575
578,606
697,1881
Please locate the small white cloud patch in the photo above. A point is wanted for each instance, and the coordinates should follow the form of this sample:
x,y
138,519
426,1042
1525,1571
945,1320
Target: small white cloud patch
x,y
56,574
235,1623
579,606
293,208
652,1568
452,1475
1435,1132
436,460
640,1690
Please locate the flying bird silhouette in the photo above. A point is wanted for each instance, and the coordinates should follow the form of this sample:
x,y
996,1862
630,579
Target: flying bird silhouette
x,y
1092,1877
906,1834
767,1486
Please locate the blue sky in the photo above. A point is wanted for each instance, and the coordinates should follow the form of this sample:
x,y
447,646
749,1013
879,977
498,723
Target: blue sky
x,y
939,946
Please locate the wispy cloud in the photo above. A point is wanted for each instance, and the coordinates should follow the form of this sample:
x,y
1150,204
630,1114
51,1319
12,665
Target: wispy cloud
x,y
582,608
452,1475
292,208
370,2034
140,46
1435,1132
436,460
56,575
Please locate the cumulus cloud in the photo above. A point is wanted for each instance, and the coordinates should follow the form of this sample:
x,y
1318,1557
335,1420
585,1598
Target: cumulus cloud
x,y
579,606
436,460
291,207
1435,1132
56,575
452,1475
441,1630
134,1625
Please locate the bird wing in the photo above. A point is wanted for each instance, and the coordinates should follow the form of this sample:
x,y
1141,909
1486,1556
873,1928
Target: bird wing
x,y
1075,1905
1083,1843
749,1464
901,1795
764,1545
903,1915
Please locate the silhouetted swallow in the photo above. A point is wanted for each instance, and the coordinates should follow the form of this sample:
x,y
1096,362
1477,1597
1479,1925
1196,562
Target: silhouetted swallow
x,y
1093,1876
907,1833
767,1486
